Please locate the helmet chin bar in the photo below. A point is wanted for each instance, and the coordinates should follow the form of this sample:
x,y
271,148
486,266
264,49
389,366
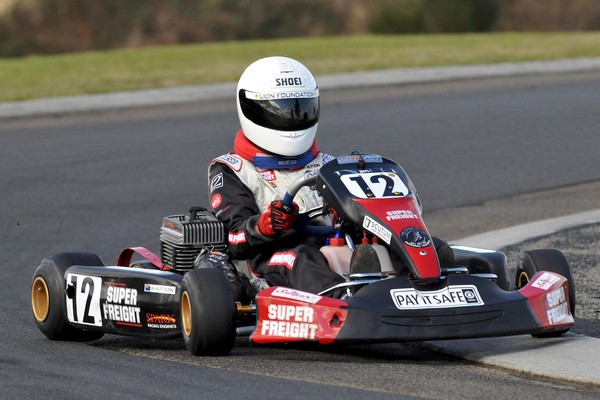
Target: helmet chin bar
x,y
279,142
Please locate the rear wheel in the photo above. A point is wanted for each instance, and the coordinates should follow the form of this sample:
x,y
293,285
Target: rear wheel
x,y
207,312
550,260
48,301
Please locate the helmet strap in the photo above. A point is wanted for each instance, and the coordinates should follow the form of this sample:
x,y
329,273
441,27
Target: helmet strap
x,y
264,160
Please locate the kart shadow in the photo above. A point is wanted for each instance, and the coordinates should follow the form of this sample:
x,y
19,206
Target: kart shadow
x,y
115,342
174,349
365,353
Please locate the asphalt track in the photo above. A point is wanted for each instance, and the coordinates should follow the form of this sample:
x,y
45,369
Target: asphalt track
x,y
504,353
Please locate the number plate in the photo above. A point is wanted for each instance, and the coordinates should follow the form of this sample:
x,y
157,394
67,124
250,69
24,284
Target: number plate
x,y
84,307
373,185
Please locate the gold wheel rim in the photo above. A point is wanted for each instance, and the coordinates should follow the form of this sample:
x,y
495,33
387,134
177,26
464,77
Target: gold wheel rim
x,y
186,314
40,299
523,280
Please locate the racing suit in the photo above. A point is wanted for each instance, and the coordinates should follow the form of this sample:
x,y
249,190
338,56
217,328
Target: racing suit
x,y
242,184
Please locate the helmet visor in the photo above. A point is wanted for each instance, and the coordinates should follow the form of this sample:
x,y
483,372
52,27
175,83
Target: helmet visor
x,y
289,111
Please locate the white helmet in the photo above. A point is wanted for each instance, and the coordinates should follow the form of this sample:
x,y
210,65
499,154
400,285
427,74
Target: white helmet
x,y
278,105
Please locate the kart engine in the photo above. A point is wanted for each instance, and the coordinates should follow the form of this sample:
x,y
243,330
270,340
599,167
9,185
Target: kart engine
x,y
183,237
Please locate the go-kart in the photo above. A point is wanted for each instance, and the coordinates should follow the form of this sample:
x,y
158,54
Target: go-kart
x,y
194,290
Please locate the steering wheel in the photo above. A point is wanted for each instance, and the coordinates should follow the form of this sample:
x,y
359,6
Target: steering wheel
x,y
288,199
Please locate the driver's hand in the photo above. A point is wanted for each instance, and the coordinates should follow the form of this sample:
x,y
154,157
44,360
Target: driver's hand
x,y
277,219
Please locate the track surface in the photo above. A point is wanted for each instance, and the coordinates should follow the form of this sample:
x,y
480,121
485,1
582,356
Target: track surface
x,y
102,182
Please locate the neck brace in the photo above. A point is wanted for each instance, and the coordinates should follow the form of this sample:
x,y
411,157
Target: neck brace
x,y
265,160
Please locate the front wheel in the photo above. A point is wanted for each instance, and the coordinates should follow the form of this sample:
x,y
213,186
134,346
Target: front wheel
x,y
48,301
550,260
207,312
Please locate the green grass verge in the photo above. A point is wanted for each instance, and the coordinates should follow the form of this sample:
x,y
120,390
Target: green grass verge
x,y
165,66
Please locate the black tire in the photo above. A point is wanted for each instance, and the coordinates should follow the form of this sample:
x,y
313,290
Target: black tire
x,y
552,260
207,313
493,262
48,297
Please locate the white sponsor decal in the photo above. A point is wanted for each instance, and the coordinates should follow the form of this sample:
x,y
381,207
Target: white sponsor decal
x,y
400,214
216,182
556,297
121,313
288,329
545,281
327,158
449,297
285,258
558,314
237,237
121,295
558,311
120,305
377,229
291,313
296,295
291,81
353,158
162,289
287,162
162,326
231,160
282,95
268,175
290,321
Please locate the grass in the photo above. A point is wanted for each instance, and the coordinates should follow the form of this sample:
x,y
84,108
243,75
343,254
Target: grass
x,y
166,66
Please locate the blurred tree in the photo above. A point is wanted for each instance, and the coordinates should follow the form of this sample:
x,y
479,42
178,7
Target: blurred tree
x,y
415,16
549,15
54,26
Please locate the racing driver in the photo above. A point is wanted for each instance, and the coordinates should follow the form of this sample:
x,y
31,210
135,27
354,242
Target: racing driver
x,y
278,109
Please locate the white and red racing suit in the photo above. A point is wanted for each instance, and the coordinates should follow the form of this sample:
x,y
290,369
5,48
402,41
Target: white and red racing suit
x,y
242,184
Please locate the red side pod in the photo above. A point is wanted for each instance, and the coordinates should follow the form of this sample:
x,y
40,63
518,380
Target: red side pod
x,y
402,216
289,315
548,297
